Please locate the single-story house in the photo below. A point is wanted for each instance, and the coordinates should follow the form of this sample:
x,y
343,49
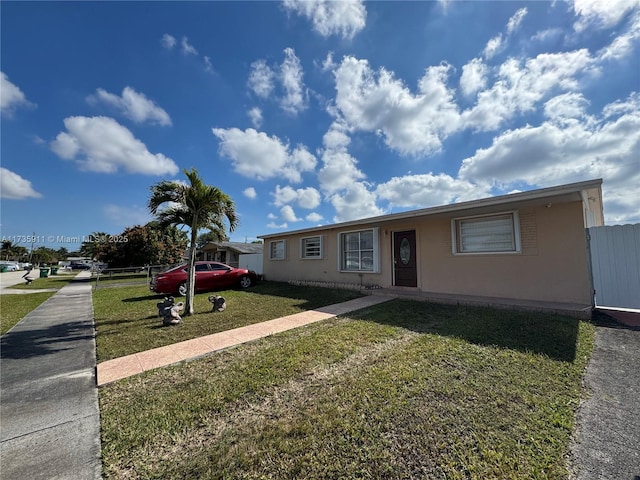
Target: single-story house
x,y
521,248
228,252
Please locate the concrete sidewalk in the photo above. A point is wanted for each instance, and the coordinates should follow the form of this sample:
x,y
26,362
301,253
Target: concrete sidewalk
x,y
50,421
123,367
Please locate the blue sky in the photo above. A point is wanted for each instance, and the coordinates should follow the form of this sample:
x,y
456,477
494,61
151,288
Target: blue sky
x,y
308,113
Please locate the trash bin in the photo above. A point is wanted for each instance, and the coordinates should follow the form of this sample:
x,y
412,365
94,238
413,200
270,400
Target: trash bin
x,y
44,272
54,270
4,268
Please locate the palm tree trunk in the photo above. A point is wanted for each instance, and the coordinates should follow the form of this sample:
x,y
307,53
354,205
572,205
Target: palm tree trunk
x,y
191,275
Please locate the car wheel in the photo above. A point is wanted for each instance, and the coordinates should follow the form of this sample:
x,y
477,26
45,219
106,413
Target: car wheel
x,y
182,289
245,281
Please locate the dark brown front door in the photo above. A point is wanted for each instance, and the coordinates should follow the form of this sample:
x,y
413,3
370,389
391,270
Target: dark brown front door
x,y
404,259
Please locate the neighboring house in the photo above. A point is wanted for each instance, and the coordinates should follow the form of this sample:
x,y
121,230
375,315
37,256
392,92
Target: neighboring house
x,y
228,252
524,247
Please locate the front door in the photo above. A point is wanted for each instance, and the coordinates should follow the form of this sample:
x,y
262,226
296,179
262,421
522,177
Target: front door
x,y
404,259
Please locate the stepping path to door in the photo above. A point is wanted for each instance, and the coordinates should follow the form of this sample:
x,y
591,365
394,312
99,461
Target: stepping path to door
x,y
123,367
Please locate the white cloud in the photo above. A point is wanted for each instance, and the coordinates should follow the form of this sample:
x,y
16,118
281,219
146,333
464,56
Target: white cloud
x,y
548,34
284,195
168,41
292,96
624,44
305,197
345,17
354,203
255,114
288,214
339,170
378,102
602,14
261,79
187,48
275,226
518,88
295,98
208,66
566,108
514,22
127,216
493,47
328,65
341,180
250,193
133,105
15,187
100,144
566,151
474,77
498,43
256,155
11,97
308,197
429,190
313,217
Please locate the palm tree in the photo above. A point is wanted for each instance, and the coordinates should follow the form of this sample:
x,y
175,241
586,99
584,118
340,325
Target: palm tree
x,y
7,249
197,206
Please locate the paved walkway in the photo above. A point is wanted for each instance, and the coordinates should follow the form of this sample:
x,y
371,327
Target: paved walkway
x,y
606,444
48,401
123,367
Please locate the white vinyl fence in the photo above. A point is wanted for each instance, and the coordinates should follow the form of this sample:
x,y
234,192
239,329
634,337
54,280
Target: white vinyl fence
x,y
615,265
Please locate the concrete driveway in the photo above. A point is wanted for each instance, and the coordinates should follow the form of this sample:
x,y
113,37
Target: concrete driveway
x,y
606,443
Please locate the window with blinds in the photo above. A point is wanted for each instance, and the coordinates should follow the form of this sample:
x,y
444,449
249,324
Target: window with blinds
x,y
311,247
277,250
487,234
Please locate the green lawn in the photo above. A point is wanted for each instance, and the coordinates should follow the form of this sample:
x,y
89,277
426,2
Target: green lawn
x,y
114,278
14,308
127,322
53,281
402,390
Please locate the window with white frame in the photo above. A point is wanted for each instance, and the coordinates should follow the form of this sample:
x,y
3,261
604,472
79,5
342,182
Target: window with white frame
x,y
277,249
311,247
359,251
487,234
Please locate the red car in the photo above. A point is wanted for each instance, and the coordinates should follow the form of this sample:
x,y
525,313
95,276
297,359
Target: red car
x,y
209,276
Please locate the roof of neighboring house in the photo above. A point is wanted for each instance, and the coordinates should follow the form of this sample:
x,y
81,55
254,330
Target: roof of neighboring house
x,y
543,196
239,247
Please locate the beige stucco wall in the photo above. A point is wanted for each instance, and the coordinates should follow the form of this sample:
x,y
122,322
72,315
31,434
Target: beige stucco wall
x,y
552,264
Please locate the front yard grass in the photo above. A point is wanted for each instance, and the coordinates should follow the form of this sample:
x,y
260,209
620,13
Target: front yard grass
x,y
126,318
14,308
402,390
55,281
114,278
